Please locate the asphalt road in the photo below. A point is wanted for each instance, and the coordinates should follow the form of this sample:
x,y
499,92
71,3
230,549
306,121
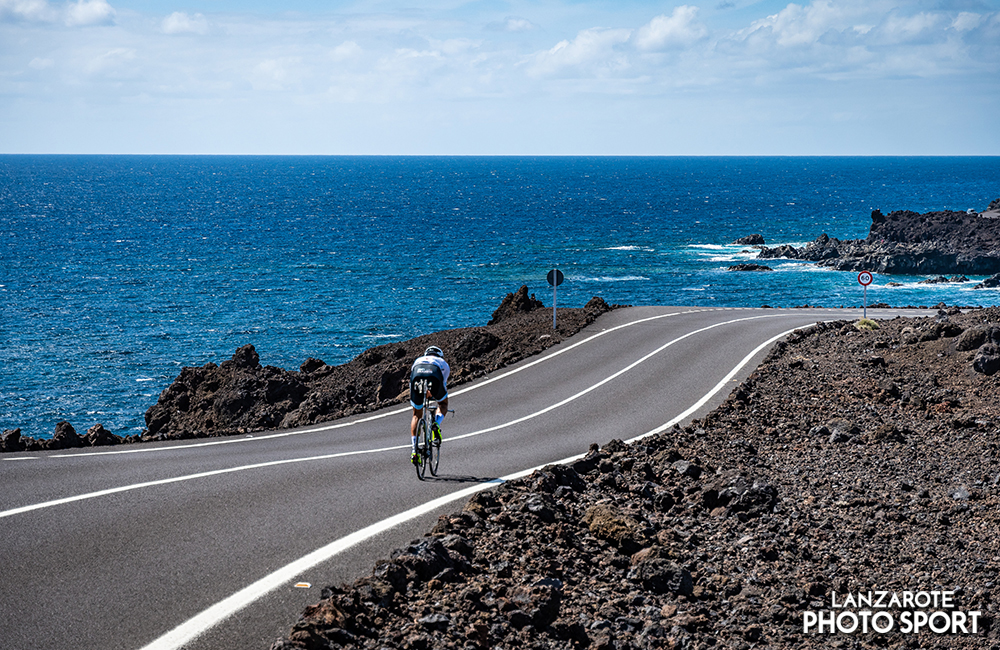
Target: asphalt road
x,y
202,545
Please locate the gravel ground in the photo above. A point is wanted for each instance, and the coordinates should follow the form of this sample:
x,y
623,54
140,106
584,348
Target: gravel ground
x,y
853,463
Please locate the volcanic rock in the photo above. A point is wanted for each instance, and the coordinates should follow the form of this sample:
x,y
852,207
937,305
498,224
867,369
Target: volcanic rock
x,y
98,436
987,360
515,304
905,242
241,396
628,548
11,440
749,267
989,283
751,240
940,279
65,437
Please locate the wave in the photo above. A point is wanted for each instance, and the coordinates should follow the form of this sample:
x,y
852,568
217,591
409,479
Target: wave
x,y
645,249
730,258
896,285
608,278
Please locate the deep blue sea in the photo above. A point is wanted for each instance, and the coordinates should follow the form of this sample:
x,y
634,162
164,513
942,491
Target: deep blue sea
x,y
116,271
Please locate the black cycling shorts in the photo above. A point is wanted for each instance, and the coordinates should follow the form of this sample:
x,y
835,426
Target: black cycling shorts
x,y
438,390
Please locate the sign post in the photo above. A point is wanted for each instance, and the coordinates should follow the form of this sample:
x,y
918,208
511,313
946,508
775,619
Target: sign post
x,y
555,278
864,279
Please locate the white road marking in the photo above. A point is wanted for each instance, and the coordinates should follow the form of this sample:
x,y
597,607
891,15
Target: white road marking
x,y
718,387
188,477
616,375
289,461
406,409
209,618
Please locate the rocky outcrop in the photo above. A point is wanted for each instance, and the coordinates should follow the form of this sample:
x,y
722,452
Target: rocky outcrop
x,y
240,395
64,437
908,243
515,304
749,267
98,436
11,440
751,240
940,279
992,282
849,461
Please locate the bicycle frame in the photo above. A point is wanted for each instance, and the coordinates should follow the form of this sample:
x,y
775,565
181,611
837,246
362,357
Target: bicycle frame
x,y
428,454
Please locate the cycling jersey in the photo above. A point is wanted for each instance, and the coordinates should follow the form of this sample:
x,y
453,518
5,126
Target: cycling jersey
x,y
437,361
435,370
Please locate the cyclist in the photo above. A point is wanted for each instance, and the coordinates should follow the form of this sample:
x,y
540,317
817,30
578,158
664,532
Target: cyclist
x,y
434,368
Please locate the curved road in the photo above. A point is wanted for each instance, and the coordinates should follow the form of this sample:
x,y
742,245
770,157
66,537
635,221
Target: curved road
x,y
202,544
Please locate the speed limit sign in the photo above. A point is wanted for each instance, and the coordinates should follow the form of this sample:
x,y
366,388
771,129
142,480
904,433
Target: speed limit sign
x,y
864,279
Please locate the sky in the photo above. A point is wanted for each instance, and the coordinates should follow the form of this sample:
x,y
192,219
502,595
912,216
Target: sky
x,y
493,77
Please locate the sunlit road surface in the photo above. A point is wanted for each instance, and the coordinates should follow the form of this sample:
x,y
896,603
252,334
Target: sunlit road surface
x,y
220,544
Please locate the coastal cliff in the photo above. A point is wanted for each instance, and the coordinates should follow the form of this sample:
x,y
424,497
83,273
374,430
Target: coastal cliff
x,y
907,243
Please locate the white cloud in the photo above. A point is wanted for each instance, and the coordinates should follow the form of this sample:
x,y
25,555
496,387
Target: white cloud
x,y
89,12
898,28
677,30
346,51
592,52
966,21
114,62
796,25
27,11
406,67
511,24
82,13
181,23
277,74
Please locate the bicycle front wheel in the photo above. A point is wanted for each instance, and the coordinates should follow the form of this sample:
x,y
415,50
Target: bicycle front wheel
x,y
433,453
421,462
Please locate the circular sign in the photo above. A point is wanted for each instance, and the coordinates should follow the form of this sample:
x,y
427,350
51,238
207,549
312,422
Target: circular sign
x,y
555,277
864,278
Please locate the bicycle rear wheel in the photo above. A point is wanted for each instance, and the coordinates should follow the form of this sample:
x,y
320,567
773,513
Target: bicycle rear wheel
x,y
422,446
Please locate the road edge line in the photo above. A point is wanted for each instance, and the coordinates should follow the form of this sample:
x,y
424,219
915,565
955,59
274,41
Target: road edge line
x,y
209,618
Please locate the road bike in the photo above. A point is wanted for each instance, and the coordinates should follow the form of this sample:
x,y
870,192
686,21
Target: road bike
x,y
428,447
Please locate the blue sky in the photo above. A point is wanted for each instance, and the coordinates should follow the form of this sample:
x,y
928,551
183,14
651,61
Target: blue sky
x,y
546,77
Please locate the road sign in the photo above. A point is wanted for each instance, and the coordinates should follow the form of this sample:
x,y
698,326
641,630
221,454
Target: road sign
x,y
864,279
555,278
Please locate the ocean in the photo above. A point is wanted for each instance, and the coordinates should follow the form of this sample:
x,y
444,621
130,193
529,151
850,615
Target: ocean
x,y
117,271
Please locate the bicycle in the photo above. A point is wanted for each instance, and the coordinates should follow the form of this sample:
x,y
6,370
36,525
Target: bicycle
x,y
428,448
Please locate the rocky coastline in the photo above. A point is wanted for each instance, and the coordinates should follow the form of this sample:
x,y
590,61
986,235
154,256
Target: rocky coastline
x,y
241,396
857,457
907,243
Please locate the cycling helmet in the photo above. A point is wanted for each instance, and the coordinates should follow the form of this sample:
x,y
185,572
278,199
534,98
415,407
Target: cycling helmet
x,y
433,351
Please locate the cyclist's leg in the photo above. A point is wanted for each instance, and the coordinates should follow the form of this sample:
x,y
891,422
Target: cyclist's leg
x,y
417,402
439,391
413,426
440,395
